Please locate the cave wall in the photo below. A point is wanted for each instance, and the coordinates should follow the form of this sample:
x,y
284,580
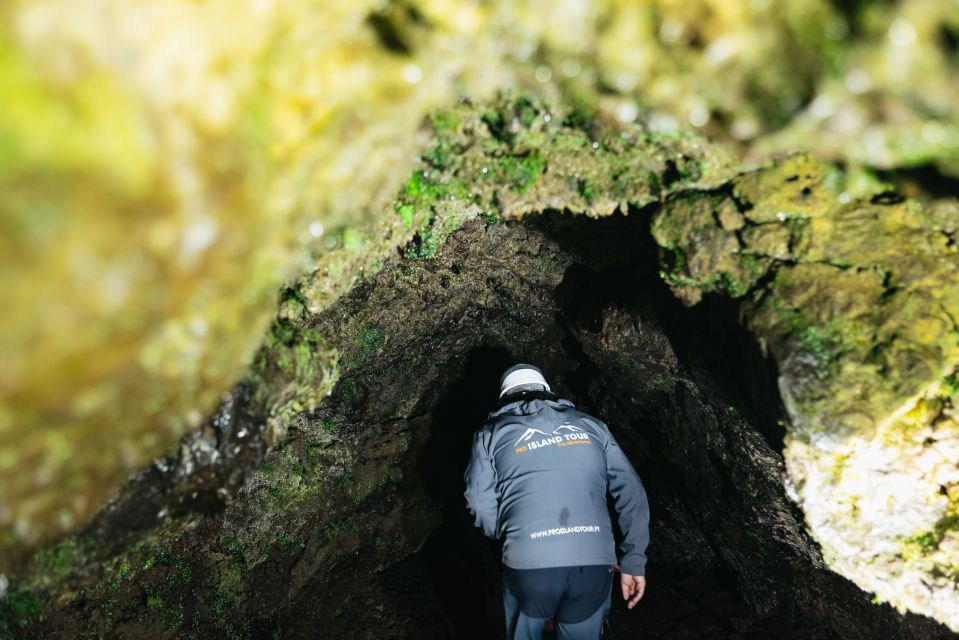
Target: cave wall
x,y
323,493
354,524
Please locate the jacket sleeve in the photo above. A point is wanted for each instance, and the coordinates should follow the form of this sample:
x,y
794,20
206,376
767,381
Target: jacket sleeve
x,y
481,497
631,506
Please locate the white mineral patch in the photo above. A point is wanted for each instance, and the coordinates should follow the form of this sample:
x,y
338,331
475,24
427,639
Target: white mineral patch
x,y
874,502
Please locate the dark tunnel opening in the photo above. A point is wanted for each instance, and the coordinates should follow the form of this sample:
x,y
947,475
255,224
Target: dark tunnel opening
x,y
462,564
464,567
614,267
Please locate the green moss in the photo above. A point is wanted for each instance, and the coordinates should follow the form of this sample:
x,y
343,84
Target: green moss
x,y
817,341
118,576
445,121
754,264
162,579
232,545
235,553
729,283
661,383
387,480
585,188
225,601
353,240
424,245
624,183
526,111
348,389
425,189
286,542
839,465
824,343
407,213
173,617
521,172
582,110
174,570
56,562
298,469
182,572
490,217
688,170
419,186
292,347
495,121
106,610
925,543
292,370
724,281
334,530
18,610
370,339
440,156
429,240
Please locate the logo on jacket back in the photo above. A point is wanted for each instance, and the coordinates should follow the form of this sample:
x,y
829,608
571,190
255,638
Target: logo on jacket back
x,y
563,435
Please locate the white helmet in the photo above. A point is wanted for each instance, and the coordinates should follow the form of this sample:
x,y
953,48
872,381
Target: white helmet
x,y
521,375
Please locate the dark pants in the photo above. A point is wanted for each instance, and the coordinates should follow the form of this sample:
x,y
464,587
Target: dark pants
x,y
577,597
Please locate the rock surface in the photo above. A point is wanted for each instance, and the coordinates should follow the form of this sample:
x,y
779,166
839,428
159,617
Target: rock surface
x,y
352,524
858,303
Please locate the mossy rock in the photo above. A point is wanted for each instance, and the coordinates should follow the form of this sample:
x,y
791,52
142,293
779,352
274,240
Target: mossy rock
x,y
858,303
354,368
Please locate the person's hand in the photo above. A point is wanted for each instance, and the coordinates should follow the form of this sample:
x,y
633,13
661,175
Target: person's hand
x,y
633,588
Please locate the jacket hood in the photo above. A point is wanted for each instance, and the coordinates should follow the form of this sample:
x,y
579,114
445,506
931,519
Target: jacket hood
x,y
527,406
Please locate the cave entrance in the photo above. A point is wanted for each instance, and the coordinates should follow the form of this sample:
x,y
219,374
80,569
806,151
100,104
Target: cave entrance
x,y
614,273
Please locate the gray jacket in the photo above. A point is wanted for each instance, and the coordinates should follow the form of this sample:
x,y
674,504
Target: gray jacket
x,y
538,478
